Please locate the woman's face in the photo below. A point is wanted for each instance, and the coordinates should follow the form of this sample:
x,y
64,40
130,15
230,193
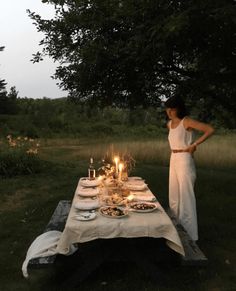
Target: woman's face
x,y
171,112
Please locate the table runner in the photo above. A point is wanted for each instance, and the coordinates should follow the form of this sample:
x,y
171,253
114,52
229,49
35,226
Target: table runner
x,y
156,224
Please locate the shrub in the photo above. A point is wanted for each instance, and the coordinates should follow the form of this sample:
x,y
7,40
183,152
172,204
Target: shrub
x,y
19,157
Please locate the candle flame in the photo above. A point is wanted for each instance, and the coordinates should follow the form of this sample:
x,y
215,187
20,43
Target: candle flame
x,y
121,167
116,159
130,197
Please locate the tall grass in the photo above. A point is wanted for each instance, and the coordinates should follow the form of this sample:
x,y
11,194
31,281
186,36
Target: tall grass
x,y
217,152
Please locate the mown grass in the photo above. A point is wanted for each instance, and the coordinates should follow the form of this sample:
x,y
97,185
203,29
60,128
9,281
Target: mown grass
x,y
27,203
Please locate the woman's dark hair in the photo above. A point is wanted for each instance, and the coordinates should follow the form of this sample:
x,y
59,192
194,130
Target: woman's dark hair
x,y
177,103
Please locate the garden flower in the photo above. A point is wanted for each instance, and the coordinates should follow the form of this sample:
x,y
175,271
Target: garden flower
x,y
12,144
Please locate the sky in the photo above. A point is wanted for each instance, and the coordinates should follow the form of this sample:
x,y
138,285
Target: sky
x,y
21,41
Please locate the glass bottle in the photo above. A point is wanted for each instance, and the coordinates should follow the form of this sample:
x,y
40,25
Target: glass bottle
x,y
91,170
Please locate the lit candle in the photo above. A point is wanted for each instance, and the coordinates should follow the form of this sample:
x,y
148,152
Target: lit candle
x,y
116,159
130,197
120,170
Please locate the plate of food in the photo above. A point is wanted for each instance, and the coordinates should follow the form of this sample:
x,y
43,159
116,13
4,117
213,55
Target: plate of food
x,y
143,207
113,212
114,199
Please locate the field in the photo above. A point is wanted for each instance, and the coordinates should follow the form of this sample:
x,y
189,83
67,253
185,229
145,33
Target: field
x,y
27,202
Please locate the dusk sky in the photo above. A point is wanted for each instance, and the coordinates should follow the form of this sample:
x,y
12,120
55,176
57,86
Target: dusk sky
x,y
21,39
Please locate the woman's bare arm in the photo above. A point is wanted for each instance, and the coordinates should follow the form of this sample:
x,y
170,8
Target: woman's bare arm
x,y
205,128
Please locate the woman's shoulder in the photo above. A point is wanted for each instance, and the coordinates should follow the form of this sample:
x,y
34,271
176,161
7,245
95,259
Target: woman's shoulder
x,y
168,124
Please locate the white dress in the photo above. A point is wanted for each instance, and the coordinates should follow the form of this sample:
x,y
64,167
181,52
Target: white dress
x,y
182,176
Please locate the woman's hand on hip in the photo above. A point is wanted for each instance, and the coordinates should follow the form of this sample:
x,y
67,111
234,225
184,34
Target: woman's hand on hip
x,y
191,149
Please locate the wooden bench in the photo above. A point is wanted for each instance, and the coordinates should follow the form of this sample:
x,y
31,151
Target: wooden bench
x,y
193,255
57,222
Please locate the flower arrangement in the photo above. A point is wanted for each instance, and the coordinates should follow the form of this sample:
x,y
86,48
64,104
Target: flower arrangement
x,y
110,166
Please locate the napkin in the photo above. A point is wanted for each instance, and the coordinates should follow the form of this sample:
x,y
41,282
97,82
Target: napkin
x,y
87,191
87,204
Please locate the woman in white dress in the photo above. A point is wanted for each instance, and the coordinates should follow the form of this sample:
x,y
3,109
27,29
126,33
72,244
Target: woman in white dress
x,y
182,173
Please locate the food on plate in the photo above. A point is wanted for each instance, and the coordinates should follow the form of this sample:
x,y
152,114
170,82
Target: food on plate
x,y
110,182
143,206
114,199
125,192
112,211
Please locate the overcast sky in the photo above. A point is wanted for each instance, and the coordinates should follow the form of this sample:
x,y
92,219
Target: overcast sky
x,y
20,38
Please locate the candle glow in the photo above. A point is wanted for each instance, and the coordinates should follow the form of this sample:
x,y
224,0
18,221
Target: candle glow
x,y
130,197
121,166
116,160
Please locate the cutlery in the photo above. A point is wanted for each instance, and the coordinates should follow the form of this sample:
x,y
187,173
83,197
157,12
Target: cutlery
x,y
86,216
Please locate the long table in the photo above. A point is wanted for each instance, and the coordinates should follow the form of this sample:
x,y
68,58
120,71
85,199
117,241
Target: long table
x,y
156,224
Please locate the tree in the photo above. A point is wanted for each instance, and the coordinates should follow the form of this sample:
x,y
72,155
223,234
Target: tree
x,y
132,53
3,92
7,100
2,82
13,93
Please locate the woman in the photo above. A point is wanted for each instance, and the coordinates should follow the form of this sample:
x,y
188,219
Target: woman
x,y
182,172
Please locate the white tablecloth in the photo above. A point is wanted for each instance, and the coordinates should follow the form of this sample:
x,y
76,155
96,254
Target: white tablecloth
x,y
156,224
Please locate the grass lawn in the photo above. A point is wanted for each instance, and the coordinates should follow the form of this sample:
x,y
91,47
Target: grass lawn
x,y
27,203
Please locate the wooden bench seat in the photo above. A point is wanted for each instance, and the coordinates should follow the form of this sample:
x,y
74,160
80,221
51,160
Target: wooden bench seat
x,y
193,255
57,222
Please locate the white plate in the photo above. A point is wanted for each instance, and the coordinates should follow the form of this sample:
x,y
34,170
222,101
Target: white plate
x,y
137,187
87,204
85,182
135,178
143,198
87,192
143,210
85,216
110,216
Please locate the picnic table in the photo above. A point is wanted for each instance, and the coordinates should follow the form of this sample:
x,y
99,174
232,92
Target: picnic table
x,y
155,224
155,235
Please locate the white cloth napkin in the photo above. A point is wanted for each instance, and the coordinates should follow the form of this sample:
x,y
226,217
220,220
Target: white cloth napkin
x,y
43,246
86,204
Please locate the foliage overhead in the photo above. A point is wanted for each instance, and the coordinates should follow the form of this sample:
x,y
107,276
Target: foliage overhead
x,y
129,53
